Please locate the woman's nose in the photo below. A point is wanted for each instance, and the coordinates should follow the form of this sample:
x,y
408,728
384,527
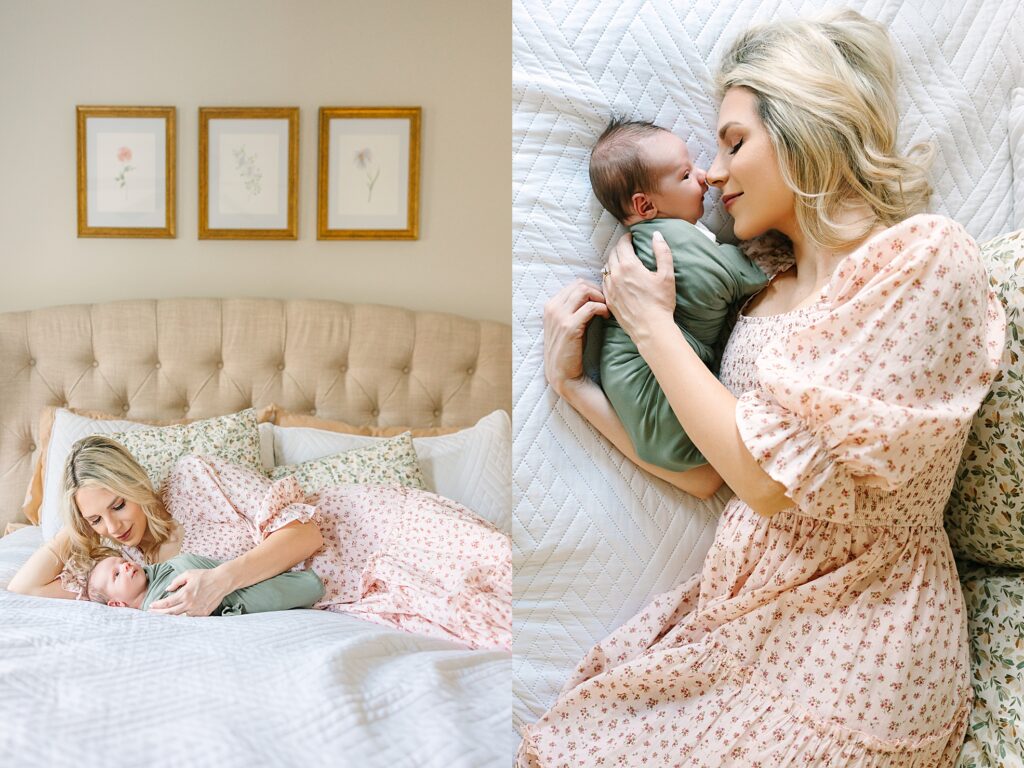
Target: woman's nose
x,y
715,175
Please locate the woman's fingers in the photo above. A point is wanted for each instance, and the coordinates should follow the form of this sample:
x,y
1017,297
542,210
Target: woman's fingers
x,y
622,250
582,304
177,602
632,291
586,313
573,295
566,316
662,254
571,308
174,604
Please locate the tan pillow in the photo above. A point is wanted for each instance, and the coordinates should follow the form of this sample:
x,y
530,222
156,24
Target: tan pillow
x,y
34,494
283,418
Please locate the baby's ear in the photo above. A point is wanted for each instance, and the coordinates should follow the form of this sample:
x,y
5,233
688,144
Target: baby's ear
x,y
643,206
117,604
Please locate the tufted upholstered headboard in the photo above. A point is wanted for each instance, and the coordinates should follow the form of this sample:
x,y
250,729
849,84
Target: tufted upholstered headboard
x,y
196,358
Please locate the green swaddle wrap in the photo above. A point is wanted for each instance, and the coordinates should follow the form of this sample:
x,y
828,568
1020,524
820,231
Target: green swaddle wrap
x,y
711,280
292,589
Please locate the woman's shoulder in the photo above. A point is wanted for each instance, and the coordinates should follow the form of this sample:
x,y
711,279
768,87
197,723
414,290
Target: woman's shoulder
x,y
925,247
928,229
194,474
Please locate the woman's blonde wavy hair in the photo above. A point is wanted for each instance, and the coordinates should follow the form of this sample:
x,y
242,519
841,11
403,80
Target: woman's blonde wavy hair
x,y
826,93
98,461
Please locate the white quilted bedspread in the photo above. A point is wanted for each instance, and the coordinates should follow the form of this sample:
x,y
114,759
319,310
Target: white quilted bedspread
x,y
594,538
297,688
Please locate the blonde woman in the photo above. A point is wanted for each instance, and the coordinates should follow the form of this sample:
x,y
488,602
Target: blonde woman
x,y
396,556
827,625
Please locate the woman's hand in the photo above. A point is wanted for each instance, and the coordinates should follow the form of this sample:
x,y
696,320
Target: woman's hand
x,y
566,316
640,299
196,592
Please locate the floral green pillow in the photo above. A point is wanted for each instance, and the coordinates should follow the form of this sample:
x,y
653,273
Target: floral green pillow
x,y
985,515
995,622
391,461
235,438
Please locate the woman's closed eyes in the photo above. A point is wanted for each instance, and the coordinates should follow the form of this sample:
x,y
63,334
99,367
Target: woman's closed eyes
x,y
116,507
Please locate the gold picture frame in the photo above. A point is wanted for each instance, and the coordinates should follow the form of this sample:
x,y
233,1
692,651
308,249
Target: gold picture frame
x,y
126,171
248,173
363,152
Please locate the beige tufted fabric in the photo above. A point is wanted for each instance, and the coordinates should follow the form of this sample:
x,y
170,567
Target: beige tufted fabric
x,y
195,358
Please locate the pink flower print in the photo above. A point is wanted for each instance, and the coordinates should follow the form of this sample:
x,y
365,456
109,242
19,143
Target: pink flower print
x,y
363,160
124,155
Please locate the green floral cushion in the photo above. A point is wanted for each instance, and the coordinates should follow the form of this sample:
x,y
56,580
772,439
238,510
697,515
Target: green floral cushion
x,y
995,621
985,515
391,461
235,438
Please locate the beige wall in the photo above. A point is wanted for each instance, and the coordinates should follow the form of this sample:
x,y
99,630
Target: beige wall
x,y
451,57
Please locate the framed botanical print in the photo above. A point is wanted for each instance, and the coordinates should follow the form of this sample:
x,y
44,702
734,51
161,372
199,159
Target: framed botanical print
x,y
126,162
369,173
248,173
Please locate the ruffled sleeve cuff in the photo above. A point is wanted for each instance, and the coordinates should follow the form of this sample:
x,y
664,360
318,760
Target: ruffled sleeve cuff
x,y
71,581
284,503
794,456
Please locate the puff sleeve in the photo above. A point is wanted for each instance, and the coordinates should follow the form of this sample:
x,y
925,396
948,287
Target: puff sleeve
x,y
226,509
885,378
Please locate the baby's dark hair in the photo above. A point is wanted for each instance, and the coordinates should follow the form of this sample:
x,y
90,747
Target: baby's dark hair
x,y
617,172
95,595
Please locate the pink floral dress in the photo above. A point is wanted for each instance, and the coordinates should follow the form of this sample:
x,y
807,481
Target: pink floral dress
x,y
832,633
396,556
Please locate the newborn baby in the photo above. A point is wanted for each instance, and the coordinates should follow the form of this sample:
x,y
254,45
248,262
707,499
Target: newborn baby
x,y
121,583
643,176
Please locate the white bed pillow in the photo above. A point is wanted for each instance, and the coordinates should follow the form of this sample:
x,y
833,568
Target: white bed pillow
x,y
69,427
471,466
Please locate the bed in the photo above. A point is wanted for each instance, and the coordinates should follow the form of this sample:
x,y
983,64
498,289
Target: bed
x,y
595,538
81,684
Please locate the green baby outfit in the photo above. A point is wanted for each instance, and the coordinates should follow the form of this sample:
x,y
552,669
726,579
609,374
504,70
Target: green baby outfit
x,y
712,281
292,589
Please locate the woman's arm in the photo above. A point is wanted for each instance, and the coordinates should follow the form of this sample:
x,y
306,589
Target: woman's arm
x,y
40,575
588,399
277,553
566,316
199,592
643,302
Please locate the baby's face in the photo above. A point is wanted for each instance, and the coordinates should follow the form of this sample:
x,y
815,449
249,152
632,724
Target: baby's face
x,y
680,186
122,581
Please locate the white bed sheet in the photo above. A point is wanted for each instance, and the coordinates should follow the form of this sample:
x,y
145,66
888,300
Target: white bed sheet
x,y
82,685
594,538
